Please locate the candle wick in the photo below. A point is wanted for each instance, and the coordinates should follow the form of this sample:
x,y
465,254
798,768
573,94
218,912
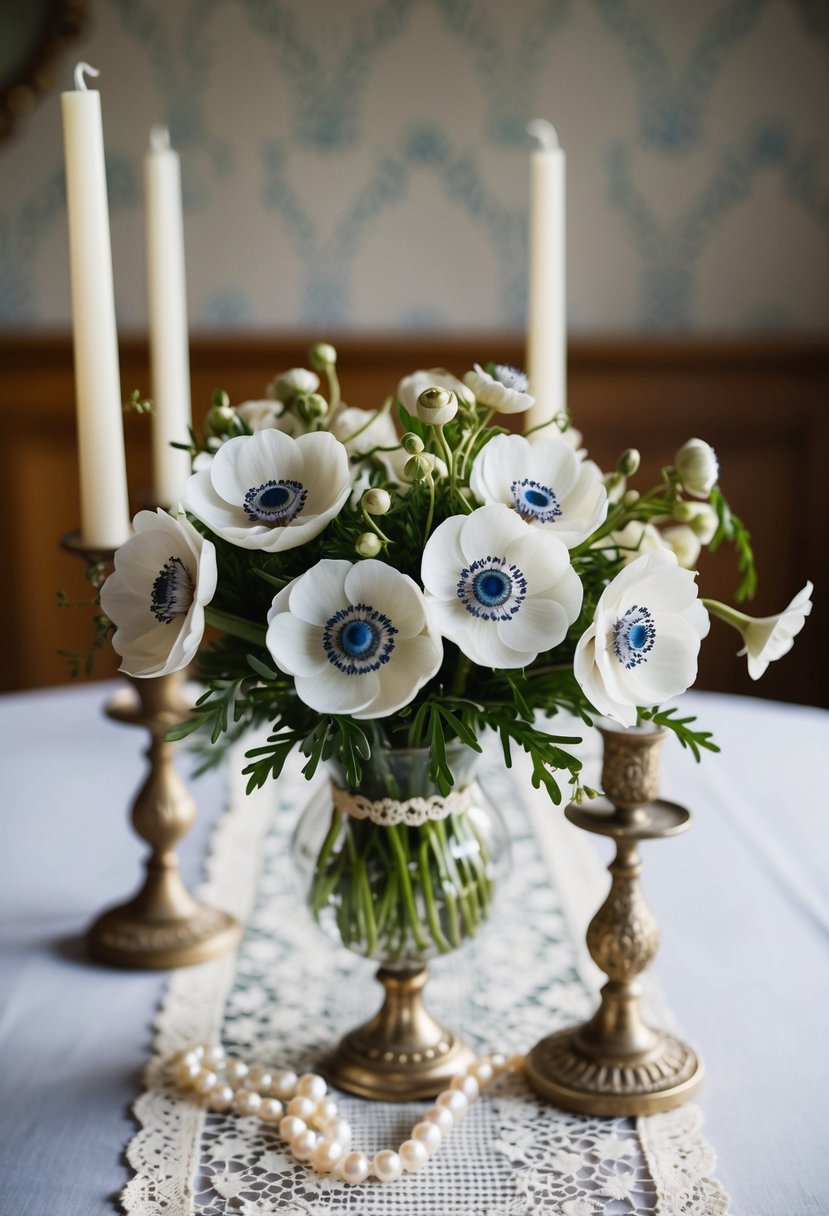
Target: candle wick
x,y
80,70
159,137
544,132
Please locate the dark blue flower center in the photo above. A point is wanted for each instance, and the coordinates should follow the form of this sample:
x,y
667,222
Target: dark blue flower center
x,y
172,591
492,588
535,501
633,636
358,639
275,503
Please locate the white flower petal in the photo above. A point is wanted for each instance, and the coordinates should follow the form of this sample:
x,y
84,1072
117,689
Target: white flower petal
x,y
296,646
333,692
414,661
671,667
324,472
248,461
443,558
410,387
488,531
539,624
395,594
316,595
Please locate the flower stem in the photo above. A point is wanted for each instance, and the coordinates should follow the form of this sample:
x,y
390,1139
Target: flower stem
x,y
237,626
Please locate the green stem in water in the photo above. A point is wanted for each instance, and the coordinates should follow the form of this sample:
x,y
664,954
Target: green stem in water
x,y
429,899
402,863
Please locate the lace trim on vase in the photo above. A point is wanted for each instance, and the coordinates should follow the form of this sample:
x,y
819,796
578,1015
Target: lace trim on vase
x,y
411,811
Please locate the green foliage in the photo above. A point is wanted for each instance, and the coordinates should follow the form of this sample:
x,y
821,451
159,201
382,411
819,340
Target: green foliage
x,y
731,528
694,740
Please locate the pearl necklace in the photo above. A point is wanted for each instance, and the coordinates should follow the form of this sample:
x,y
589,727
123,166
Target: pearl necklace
x,y
307,1117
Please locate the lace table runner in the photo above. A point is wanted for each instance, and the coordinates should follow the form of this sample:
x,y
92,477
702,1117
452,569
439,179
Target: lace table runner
x,y
289,994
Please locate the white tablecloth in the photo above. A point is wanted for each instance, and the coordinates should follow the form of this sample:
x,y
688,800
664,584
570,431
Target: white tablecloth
x,y
741,902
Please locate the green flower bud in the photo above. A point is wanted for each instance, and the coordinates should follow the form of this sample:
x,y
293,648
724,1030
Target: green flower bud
x,y
220,398
416,468
310,407
376,501
628,462
322,356
683,511
368,545
221,419
412,444
631,498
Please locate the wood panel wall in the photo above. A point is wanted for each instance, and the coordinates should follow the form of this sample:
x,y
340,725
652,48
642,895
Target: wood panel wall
x,y
764,407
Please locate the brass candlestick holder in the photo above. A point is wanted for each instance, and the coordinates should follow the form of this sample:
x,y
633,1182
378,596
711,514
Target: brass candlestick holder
x,y
615,1064
163,925
402,1054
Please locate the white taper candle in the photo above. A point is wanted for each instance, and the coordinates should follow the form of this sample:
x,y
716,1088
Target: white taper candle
x,y
547,311
167,308
103,474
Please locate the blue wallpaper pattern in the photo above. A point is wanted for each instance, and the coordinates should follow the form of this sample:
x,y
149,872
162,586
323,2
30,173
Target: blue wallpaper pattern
x,y
679,120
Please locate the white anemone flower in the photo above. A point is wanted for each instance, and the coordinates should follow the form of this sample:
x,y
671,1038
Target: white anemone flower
x,y
698,468
502,591
271,492
357,638
165,574
767,638
410,387
363,430
642,646
261,415
545,482
505,391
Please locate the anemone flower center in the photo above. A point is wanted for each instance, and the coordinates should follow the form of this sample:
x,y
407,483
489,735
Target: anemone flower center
x,y
633,636
492,588
275,503
510,377
172,592
358,639
533,501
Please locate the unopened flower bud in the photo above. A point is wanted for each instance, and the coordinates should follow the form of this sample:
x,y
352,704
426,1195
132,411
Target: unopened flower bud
x,y
415,468
628,462
297,380
684,511
412,444
685,544
631,498
697,467
368,544
310,406
220,419
436,406
376,501
322,356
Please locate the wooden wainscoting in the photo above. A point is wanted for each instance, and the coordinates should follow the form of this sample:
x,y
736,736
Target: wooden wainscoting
x,y
764,407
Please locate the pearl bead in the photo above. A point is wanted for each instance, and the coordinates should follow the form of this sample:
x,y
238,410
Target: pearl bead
x,y
304,1144
354,1168
414,1155
310,1085
468,1086
324,1112
387,1165
283,1084
291,1126
215,1056
191,1056
516,1062
304,1108
338,1129
204,1081
186,1073
429,1135
453,1101
499,1062
327,1155
442,1118
260,1078
483,1072
246,1102
271,1110
220,1097
235,1071
197,1050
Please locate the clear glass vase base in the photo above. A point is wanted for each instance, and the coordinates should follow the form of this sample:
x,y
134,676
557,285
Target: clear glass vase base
x,y
402,1054
561,1070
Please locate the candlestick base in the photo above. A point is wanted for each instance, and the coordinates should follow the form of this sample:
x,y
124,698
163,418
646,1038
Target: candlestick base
x,y
136,935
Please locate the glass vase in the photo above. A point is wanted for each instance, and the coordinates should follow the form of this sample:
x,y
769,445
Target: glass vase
x,y
399,874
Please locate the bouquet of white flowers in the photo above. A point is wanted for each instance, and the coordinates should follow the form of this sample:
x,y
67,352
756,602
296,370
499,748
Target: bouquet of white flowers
x,y
372,592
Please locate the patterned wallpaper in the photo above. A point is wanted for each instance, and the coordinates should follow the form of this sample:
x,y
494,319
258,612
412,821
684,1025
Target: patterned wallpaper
x,y
362,164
